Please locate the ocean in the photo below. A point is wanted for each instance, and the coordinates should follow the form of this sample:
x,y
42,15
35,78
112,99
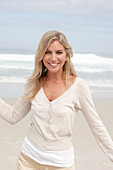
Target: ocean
x,y
96,70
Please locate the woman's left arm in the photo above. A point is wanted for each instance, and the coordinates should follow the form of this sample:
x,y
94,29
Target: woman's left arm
x,y
96,125
13,114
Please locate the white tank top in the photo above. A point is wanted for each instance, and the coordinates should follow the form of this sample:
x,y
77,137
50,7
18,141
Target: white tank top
x,y
46,157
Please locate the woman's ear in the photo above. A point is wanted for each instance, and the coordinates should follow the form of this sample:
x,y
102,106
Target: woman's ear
x,y
66,58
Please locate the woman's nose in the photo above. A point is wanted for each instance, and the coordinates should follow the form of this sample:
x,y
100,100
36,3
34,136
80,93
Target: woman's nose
x,y
54,56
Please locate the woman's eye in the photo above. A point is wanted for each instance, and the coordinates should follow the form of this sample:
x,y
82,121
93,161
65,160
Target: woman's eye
x,y
59,52
47,52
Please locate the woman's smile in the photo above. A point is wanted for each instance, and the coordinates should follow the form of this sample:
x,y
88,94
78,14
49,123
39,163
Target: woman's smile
x,y
55,57
53,65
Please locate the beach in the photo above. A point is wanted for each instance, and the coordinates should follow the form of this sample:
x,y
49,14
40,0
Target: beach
x,y
88,154
96,70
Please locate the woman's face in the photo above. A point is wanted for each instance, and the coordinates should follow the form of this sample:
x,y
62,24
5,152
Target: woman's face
x,y
55,57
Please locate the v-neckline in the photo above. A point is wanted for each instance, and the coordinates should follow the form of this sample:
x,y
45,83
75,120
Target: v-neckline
x,y
65,92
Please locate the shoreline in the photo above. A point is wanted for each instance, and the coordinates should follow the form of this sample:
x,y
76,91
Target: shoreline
x,y
15,90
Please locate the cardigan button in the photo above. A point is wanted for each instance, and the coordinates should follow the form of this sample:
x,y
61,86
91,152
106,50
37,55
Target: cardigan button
x,y
50,121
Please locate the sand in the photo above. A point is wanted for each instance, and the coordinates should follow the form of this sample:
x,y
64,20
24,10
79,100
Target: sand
x,y
88,154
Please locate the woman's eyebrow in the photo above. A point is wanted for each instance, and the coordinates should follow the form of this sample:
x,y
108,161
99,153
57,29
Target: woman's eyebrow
x,y
56,50
60,50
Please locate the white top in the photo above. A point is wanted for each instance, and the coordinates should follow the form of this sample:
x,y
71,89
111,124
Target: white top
x,y
52,123
54,158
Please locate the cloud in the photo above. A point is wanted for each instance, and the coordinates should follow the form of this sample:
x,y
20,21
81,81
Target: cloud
x,y
83,21
76,7
34,5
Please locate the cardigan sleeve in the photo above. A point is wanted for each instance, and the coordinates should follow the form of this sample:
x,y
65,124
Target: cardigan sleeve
x,y
12,114
95,123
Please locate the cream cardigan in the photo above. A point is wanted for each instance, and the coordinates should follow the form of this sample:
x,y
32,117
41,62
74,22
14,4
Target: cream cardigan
x,y
52,123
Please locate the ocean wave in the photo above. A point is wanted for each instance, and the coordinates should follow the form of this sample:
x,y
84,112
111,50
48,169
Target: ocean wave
x,y
15,67
77,68
100,83
5,66
16,57
91,82
77,58
93,70
91,59
5,79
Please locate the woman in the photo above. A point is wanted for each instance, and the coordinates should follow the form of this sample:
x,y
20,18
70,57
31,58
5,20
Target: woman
x,y
54,94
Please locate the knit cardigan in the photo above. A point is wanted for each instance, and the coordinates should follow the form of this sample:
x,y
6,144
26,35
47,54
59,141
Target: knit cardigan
x,y
52,123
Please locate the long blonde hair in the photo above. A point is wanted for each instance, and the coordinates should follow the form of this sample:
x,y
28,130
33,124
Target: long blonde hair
x,y
35,82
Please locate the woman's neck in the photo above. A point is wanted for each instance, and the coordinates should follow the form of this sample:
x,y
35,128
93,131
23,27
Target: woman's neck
x,y
55,77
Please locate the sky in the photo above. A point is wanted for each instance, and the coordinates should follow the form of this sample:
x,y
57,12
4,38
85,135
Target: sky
x,y
87,24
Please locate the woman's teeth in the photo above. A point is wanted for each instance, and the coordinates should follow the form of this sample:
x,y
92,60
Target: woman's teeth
x,y
53,64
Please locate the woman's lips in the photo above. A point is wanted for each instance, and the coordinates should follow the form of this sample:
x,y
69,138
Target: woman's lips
x,y
53,64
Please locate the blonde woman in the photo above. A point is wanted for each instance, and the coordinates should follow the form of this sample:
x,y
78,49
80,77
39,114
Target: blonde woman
x,y
54,94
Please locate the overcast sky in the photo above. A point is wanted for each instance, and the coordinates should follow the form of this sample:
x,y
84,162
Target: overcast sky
x,y
87,24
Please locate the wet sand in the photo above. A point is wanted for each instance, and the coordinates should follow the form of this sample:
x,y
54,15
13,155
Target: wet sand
x,y
88,154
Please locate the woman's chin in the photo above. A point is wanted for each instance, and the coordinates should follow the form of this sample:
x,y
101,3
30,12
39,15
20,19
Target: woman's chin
x,y
55,70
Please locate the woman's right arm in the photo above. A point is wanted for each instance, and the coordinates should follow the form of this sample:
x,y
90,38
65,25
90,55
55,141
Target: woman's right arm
x,y
96,125
12,114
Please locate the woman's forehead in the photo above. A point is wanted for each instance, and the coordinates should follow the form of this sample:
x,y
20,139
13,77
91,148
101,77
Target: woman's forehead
x,y
56,45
